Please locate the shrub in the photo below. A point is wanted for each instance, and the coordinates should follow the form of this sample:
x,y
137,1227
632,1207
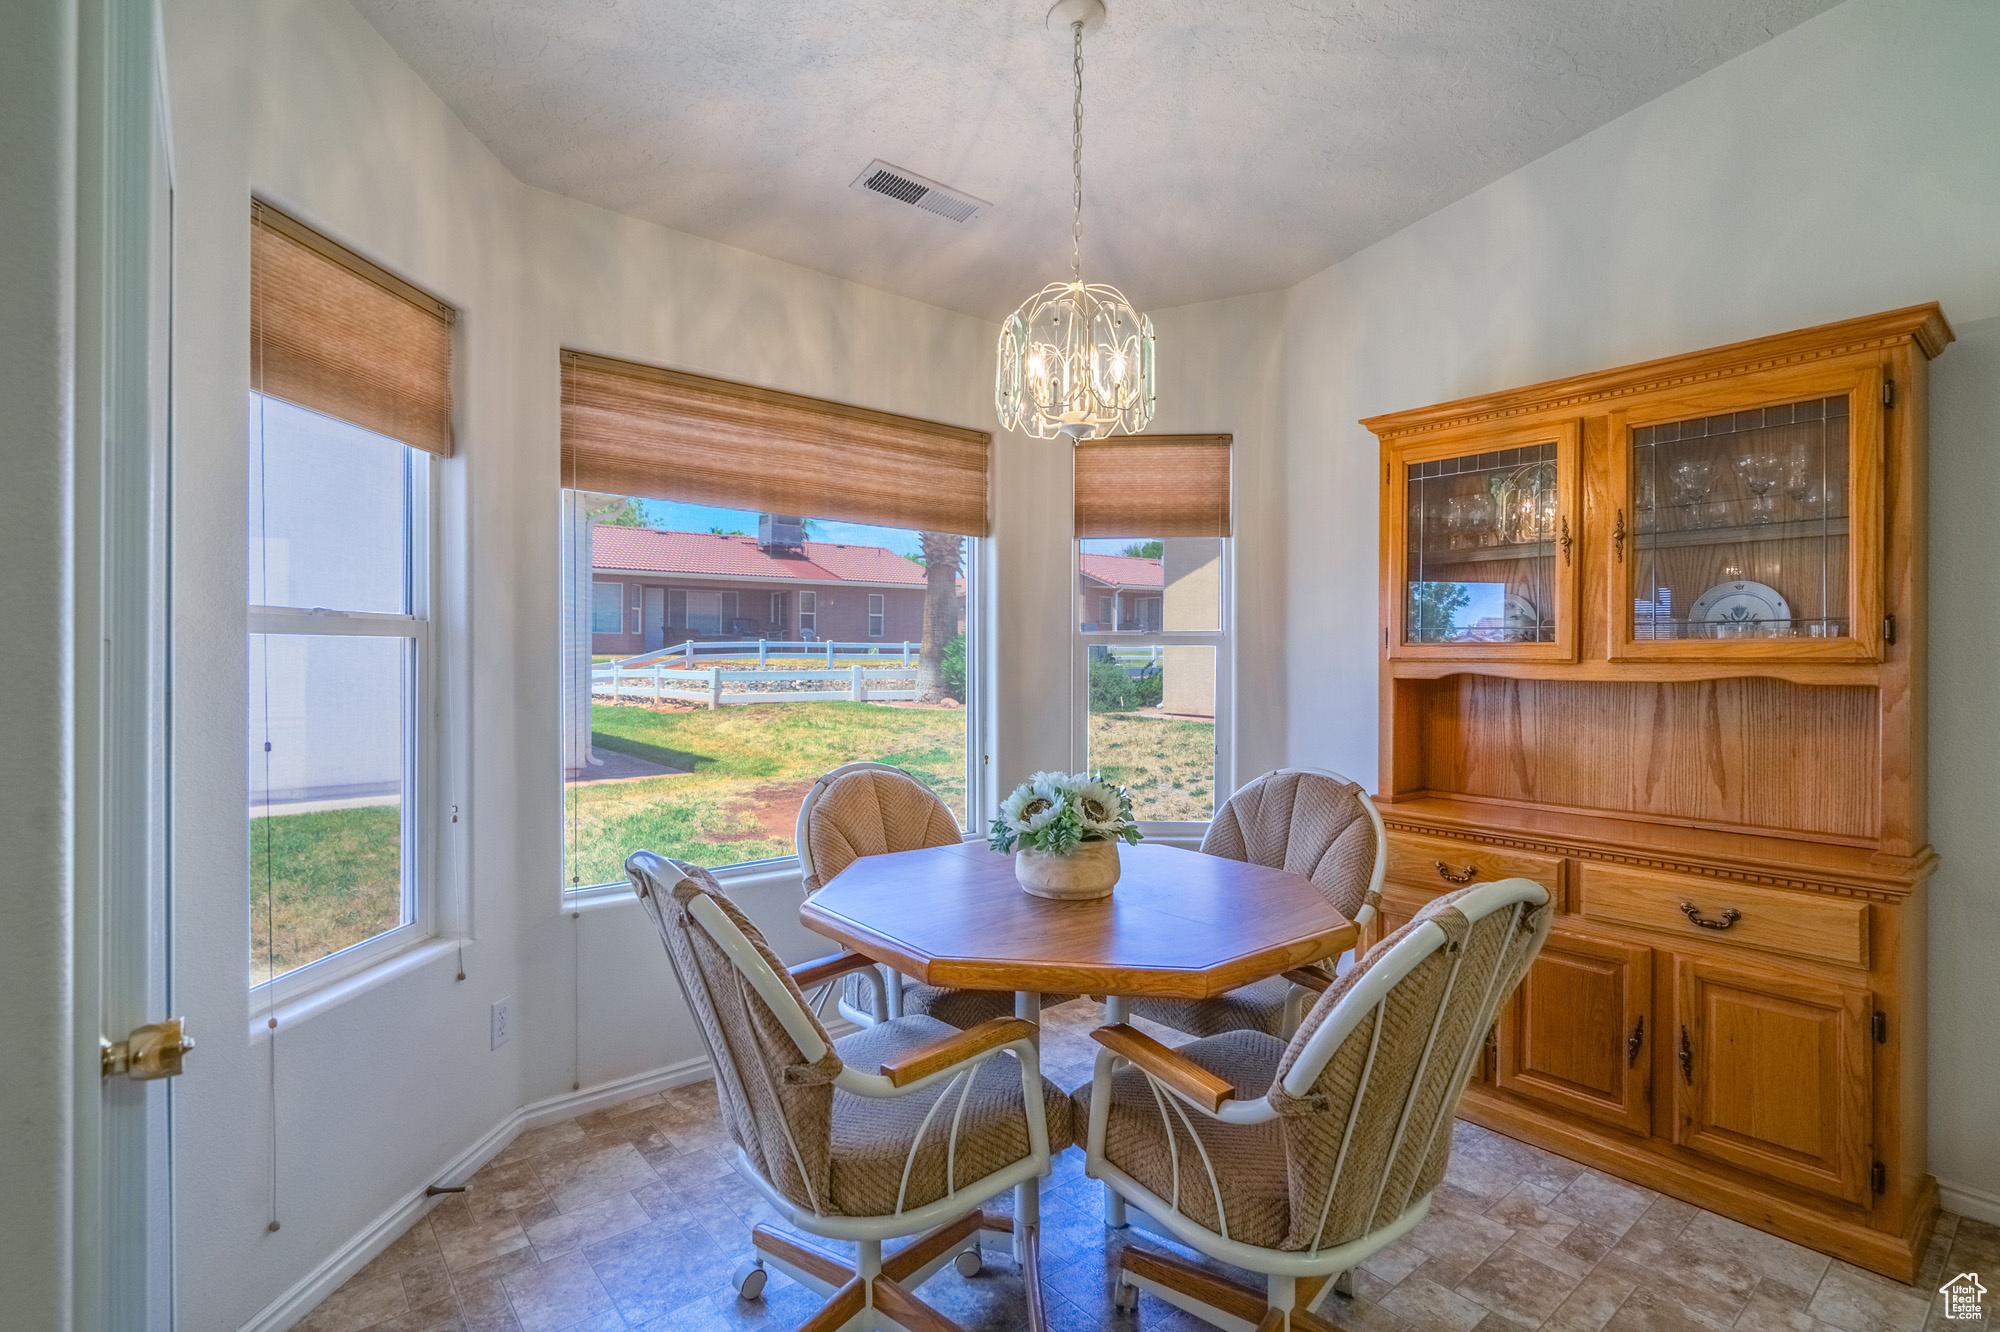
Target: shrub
x,y
953,667
1111,689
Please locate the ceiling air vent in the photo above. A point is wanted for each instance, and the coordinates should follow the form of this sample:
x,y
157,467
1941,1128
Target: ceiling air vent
x,y
910,188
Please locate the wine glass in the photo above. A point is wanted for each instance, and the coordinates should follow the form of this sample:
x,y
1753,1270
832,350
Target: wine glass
x,y
1481,516
1693,478
1760,473
1649,504
1454,522
1799,471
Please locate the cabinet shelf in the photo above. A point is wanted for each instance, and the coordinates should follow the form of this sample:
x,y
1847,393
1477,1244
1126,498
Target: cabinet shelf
x,y
1803,529
1522,550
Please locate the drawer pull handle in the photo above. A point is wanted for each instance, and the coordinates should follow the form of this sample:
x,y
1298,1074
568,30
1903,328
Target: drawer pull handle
x,y
1455,876
1633,1041
1730,915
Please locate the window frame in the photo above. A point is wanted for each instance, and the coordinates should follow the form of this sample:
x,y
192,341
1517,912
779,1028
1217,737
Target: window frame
x,y
878,619
808,605
980,800
1222,639
422,741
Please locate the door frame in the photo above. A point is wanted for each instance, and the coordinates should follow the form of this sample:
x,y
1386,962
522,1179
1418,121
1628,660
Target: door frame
x,y
123,1274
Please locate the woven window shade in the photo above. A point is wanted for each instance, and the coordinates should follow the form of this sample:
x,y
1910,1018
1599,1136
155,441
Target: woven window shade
x,y
1153,486
334,333
660,434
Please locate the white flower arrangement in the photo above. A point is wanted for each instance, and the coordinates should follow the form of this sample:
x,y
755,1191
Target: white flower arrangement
x,y
1057,812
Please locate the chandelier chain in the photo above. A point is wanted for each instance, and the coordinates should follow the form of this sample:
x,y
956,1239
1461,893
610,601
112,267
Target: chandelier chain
x,y
1076,157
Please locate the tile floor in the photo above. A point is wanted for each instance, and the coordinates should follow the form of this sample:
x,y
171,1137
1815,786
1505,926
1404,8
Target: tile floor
x,y
633,1218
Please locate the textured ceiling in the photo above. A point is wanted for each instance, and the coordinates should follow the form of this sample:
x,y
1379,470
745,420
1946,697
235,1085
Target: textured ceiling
x,y
1230,146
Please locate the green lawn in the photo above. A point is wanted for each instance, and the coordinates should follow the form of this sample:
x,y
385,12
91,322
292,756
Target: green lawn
x,y
334,879
747,769
744,771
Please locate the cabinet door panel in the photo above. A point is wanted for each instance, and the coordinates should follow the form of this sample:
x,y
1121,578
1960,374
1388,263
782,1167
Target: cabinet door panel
x,y
1576,1034
1774,1075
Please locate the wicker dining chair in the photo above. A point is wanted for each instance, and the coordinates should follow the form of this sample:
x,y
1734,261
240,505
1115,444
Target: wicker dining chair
x,y
903,1128
1318,824
1297,1161
869,809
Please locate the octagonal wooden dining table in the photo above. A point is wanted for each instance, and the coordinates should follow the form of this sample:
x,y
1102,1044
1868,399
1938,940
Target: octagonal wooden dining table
x,y
1180,924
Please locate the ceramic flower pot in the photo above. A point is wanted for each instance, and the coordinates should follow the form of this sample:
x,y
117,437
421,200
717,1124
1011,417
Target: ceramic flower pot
x,y
1087,872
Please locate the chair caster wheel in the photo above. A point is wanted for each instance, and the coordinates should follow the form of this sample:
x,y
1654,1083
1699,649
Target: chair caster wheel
x,y
970,1263
1127,1297
750,1279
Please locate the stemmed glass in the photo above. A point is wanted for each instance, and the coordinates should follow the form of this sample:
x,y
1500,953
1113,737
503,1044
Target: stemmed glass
x,y
1692,478
1760,473
1454,522
1799,480
1481,516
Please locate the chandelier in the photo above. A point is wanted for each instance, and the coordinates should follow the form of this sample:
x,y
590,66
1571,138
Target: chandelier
x,y
1076,359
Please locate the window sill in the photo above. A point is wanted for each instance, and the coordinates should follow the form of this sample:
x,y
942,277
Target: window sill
x,y
292,1011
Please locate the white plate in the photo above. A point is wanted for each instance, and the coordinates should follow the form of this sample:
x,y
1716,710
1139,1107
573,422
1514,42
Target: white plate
x,y
1741,609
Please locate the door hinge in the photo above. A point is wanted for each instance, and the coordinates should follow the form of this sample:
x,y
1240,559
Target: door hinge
x,y
1888,629
1634,1041
1687,1058
152,1051
1385,474
1888,392
1878,1178
1385,635
1881,1026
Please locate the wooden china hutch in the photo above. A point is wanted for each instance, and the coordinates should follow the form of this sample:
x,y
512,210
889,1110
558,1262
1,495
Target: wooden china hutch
x,y
1654,637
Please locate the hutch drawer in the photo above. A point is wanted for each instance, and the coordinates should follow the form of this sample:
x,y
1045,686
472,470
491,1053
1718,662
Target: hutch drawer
x,y
1802,925
1441,863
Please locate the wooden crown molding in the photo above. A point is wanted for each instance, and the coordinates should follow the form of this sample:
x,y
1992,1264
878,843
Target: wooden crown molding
x,y
1923,325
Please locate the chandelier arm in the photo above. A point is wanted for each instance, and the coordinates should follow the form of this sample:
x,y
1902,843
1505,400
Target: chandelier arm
x,y
1076,156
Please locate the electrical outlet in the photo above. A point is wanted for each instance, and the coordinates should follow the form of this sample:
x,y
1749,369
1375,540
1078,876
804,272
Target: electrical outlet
x,y
502,1022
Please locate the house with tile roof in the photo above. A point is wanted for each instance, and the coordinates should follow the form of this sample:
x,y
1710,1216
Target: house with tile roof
x,y
1119,591
652,588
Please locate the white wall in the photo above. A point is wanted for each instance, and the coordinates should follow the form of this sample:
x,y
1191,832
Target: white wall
x,y
301,102
38,92
1845,167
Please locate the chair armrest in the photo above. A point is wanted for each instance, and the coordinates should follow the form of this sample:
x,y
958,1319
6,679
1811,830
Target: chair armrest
x,y
822,969
1187,1078
1310,978
956,1049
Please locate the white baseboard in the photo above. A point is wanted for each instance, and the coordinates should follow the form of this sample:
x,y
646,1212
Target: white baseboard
x,y
1979,1204
387,1228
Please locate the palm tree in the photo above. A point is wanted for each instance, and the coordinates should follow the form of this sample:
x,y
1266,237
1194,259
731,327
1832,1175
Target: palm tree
x,y
943,552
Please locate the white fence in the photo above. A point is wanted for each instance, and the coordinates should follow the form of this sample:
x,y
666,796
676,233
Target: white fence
x,y
619,682
766,651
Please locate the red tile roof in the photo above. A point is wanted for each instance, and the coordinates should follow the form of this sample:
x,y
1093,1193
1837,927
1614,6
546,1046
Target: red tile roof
x,y
1122,570
652,550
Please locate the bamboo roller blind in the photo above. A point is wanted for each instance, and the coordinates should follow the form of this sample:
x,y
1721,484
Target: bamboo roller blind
x,y
1153,486
336,334
631,429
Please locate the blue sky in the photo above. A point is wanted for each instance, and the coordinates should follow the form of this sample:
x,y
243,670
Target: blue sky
x,y
701,517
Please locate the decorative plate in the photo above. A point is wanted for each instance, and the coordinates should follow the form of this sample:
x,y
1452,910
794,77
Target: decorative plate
x,y
1524,622
1741,609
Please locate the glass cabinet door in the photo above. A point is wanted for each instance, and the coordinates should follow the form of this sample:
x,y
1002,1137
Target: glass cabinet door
x,y
1741,530
1487,549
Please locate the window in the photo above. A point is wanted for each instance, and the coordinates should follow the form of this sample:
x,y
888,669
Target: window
x,y
777,620
1152,524
651,764
339,648
350,397
705,750
606,603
